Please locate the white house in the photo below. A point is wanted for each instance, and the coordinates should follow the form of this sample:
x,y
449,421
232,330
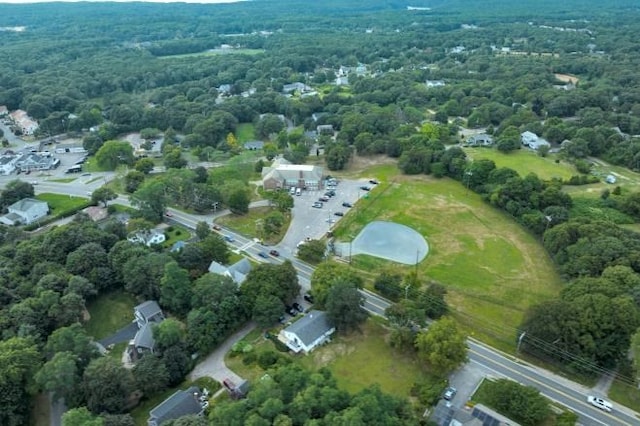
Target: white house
x,y
479,140
308,332
148,237
7,164
532,140
237,272
435,83
283,175
25,211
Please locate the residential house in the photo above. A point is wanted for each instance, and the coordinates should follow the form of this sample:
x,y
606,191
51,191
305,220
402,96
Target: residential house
x,y
143,343
25,211
254,145
342,81
446,414
26,124
308,332
435,83
296,87
182,403
7,164
531,140
283,175
32,161
148,312
147,237
237,272
325,129
479,140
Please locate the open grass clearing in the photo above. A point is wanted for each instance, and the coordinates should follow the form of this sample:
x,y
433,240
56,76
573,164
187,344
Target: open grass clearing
x,y
492,268
624,394
245,132
215,52
109,312
524,162
249,224
174,234
357,360
59,203
62,180
597,209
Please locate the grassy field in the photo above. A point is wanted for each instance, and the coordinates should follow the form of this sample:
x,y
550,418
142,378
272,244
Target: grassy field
x,y
245,132
176,233
246,224
357,360
60,203
62,180
492,268
109,313
624,394
524,162
216,52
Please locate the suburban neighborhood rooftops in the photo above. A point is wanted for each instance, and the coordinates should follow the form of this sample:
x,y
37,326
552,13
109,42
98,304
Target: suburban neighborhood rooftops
x,y
181,403
148,309
144,337
311,326
25,204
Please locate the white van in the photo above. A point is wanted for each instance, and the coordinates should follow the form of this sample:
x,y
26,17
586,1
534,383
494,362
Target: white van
x,y
298,191
292,190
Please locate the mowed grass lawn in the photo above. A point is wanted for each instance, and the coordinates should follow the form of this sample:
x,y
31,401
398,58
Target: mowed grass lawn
x,y
109,313
60,203
492,268
247,224
524,162
245,132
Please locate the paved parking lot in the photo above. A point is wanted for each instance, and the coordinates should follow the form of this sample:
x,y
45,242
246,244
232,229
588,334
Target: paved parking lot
x,y
310,222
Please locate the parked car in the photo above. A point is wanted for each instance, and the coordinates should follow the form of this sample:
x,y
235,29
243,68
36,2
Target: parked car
x,y
263,255
317,205
449,393
600,403
365,188
346,204
168,214
308,297
291,311
373,182
217,227
274,253
228,238
298,307
330,193
323,199
339,214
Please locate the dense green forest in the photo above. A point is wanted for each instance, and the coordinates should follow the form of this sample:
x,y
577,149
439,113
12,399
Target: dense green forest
x,y
195,72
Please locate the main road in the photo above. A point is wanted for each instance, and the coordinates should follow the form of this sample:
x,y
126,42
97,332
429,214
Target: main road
x,y
561,390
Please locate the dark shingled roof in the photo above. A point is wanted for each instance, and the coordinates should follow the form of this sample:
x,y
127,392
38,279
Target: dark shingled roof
x,y
181,403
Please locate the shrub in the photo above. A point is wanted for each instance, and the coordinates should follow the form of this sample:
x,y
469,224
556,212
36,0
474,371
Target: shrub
x,y
249,358
267,359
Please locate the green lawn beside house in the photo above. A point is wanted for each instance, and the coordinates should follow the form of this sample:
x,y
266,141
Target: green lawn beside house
x,y
109,312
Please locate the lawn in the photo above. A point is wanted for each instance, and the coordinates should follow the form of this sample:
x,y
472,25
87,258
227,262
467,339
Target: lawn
x,y
59,203
245,132
109,313
625,394
357,360
62,180
524,162
215,52
174,234
246,224
492,268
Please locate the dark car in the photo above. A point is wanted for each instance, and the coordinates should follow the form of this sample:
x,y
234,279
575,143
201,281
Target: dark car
x,y
168,214
323,199
345,204
330,193
263,255
308,297
291,311
339,214
365,188
274,253
298,307
217,227
373,182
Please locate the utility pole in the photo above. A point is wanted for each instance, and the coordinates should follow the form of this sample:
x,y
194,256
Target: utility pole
x,y
520,340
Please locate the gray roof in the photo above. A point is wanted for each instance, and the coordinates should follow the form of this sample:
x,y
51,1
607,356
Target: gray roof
x,y
181,403
144,337
310,327
237,272
148,309
253,145
26,204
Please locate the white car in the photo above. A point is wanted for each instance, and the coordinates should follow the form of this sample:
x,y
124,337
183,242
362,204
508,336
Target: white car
x,y
600,403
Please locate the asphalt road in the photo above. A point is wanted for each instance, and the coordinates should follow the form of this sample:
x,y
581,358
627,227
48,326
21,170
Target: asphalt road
x,y
565,392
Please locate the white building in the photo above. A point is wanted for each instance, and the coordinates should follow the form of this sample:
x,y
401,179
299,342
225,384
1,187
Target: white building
x,y
148,237
25,211
7,164
531,140
308,332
